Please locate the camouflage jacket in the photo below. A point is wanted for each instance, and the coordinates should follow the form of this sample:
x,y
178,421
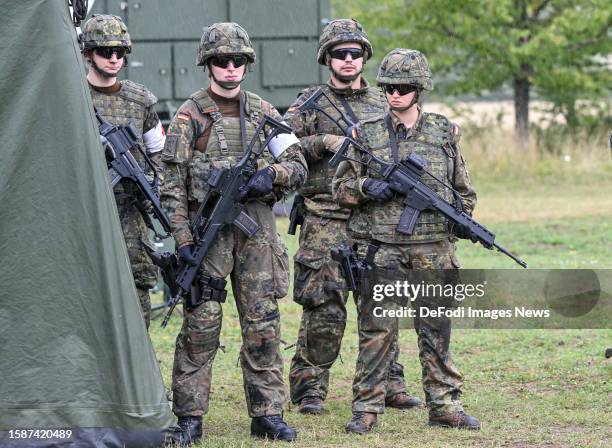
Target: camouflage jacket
x,y
187,159
312,126
435,139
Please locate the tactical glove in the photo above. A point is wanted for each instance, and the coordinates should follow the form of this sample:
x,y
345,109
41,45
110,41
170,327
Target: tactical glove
x,y
464,233
377,190
185,254
260,184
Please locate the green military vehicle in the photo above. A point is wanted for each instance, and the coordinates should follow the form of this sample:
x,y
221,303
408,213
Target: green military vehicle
x,y
166,34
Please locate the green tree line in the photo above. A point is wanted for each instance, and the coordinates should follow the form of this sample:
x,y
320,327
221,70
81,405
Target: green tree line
x,y
560,49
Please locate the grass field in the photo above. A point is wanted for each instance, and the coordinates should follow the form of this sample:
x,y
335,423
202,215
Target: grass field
x,y
529,388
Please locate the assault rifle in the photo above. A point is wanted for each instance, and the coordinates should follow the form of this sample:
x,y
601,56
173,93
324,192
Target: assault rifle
x,y
404,177
221,206
118,141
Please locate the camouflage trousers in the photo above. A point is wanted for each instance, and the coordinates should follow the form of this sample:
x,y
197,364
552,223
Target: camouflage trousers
x,y
136,235
259,272
321,290
441,379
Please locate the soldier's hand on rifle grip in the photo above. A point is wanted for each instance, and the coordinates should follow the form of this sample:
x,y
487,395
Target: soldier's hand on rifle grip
x,y
333,142
260,184
185,254
464,233
377,190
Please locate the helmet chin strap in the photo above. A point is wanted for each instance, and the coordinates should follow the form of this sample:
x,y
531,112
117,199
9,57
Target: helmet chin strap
x,y
415,100
101,72
227,85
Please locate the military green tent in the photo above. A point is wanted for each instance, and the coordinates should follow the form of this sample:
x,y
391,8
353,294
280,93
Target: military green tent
x,y
75,355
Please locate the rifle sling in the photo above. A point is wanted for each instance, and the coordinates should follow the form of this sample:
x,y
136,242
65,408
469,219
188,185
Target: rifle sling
x,y
349,110
243,135
392,138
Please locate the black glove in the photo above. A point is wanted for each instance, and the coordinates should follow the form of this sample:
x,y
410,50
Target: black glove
x,y
378,190
185,254
464,233
260,184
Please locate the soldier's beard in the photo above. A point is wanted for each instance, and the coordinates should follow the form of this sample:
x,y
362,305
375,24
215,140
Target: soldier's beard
x,y
102,72
346,78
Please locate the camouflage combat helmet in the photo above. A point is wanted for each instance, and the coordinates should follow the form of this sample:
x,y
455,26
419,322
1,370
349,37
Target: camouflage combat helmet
x,y
341,31
105,30
403,66
224,38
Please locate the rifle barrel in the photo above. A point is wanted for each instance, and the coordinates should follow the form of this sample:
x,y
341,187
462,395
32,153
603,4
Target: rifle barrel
x,y
506,252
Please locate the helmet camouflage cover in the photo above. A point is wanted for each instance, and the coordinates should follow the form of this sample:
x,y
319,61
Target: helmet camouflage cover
x,y
341,31
404,66
224,38
105,30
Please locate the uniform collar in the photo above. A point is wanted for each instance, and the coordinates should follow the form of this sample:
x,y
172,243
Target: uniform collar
x,y
348,91
110,89
400,128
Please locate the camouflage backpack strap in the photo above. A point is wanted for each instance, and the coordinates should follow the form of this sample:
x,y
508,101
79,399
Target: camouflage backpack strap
x,y
137,93
208,107
254,109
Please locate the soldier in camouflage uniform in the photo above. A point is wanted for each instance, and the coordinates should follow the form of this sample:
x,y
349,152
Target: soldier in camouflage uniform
x,y
428,254
207,132
105,41
318,286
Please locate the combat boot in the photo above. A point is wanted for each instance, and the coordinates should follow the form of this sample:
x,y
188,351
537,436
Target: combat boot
x,y
189,431
457,419
361,422
403,401
311,405
272,427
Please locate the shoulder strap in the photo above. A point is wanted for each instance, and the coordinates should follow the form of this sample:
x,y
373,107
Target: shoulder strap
x,y
208,107
392,138
243,135
349,110
253,106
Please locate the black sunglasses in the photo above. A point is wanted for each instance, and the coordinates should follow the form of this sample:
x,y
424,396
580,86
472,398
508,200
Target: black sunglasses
x,y
341,53
224,60
107,52
402,89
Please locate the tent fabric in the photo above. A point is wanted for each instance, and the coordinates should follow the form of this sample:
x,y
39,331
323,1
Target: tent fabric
x,y
74,348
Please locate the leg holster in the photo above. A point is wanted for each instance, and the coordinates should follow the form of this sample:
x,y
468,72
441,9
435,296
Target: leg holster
x,y
206,289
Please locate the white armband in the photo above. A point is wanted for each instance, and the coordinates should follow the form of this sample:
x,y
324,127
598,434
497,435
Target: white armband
x,y
281,142
154,139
